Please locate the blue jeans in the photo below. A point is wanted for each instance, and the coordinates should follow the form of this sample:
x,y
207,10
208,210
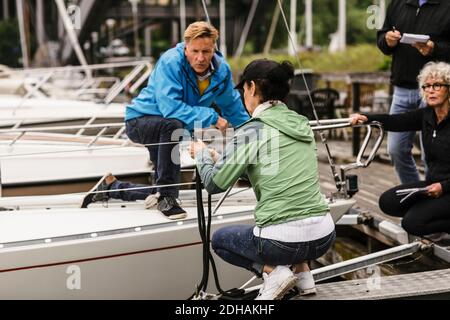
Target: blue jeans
x,y
237,245
165,157
400,144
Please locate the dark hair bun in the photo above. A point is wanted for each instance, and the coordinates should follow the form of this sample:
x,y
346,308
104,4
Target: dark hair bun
x,y
288,68
282,73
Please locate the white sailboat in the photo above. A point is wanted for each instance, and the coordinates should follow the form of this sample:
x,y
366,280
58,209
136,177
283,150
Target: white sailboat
x,y
52,249
38,161
33,96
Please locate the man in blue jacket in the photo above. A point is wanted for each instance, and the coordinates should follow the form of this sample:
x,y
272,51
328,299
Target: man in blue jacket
x,y
187,82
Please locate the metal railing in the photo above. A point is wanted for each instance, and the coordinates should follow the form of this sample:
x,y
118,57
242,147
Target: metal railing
x,y
103,127
140,72
362,161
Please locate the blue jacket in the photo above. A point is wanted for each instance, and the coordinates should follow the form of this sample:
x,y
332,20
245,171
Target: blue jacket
x,y
172,92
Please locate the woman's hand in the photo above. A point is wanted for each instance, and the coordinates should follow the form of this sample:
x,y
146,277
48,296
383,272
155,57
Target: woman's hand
x,y
357,118
435,190
198,146
195,147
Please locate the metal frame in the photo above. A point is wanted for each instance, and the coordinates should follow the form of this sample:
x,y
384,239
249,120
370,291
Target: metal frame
x,y
141,71
442,252
81,128
358,263
361,160
372,259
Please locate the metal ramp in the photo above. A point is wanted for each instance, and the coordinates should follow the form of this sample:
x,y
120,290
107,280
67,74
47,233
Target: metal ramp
x,y
442,252
415,285
392,231
365,261
429,284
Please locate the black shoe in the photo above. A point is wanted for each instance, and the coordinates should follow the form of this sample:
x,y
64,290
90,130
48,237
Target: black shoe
x,y
170,208
91,196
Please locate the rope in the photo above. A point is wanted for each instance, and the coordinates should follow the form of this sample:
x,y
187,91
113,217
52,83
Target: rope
x,y
204,227
205,8
4,156
336,177
137,188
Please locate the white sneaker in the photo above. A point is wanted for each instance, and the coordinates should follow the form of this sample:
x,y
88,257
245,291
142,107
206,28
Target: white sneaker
x,y
277,284
305,283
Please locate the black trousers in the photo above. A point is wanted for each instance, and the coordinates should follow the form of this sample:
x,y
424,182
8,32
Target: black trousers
x,y
165,157
421,214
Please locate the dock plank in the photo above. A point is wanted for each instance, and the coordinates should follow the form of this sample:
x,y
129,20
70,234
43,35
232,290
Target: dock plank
x,y
412,285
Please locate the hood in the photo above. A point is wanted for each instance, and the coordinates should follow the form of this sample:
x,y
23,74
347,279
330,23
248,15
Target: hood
x,y
288,122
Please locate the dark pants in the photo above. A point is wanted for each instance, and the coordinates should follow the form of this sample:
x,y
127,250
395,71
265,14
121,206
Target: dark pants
x,y
165,157
130,195
421,214
237,245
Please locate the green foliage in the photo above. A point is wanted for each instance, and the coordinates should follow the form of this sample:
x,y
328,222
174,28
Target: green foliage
x,y
357,30
356,58
325,22
10,43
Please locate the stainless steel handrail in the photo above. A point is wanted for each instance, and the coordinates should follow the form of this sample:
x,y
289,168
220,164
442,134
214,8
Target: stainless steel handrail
x,y
361,162
142,69
59,128
79,68
81,128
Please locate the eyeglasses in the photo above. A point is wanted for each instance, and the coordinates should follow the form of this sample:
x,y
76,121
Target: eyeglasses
x,y
435,86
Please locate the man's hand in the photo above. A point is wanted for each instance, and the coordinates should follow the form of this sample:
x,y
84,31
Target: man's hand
x,y
357,118
425,49
222,124
435,190
392,38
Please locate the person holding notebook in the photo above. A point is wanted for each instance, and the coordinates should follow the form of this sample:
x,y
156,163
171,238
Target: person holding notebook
x,y
422,17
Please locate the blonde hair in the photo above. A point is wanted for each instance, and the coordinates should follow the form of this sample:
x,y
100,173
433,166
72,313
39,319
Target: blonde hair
x,y
434,70
200,29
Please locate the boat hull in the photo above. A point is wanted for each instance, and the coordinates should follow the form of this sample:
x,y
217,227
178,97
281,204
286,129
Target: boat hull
x,y
122,251
162,262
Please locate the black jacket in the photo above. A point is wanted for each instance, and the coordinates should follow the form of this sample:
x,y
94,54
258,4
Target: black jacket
x,y
432,19
436,139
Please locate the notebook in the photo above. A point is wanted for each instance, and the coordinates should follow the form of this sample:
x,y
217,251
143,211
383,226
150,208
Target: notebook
x,y
410,38
409,192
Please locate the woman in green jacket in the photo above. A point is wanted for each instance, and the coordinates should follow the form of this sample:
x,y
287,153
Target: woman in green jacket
x,y
276,151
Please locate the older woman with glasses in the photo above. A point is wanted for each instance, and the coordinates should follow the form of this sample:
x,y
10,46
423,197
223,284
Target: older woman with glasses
x,y
425,208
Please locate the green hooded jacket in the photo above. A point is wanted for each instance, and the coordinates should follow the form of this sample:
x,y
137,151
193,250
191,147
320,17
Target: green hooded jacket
x,y
276,151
